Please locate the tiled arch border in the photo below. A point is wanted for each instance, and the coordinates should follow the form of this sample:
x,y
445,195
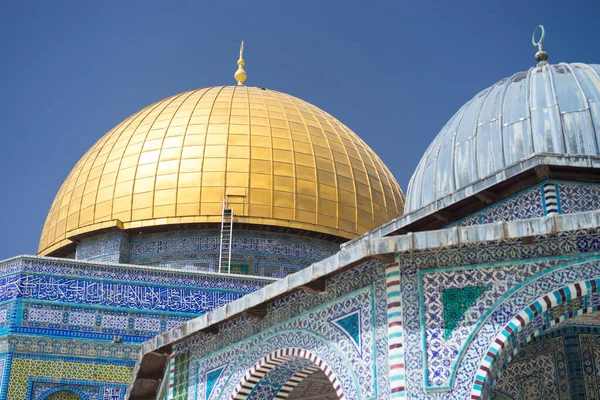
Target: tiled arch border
x,y
528,314
50,392
518,345
267,363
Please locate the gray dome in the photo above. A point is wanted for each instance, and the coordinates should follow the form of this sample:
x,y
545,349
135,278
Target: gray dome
x,y
548,109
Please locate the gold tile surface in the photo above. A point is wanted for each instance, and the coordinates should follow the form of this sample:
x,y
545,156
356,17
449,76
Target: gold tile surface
x,y
277,159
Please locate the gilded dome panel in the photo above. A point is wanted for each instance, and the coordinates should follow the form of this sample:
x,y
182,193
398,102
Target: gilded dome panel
x,y
276,159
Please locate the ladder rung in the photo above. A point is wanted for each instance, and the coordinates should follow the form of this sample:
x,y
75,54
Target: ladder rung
x,y
226,235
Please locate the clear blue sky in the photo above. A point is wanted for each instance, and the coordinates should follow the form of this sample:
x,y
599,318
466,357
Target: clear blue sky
x,y
393,71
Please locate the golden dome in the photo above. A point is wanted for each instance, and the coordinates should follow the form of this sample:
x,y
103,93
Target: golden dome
x,y
278,161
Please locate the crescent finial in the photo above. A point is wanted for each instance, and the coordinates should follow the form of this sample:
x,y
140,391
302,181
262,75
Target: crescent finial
x,y
541,56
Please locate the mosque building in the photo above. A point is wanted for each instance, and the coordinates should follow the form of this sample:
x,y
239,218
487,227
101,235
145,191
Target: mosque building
x,y
236,242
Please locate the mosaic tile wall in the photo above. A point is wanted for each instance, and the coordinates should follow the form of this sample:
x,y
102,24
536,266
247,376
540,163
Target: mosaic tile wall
x,y
93,322
350,314
152,289
526,204
180,376
538,372
549,289
543,199
34,378
267,254
563,363
578,197
111,247
73,327
453,300
443,345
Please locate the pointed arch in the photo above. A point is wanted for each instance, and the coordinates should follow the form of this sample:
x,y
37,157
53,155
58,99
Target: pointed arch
x,y
253,376
501,348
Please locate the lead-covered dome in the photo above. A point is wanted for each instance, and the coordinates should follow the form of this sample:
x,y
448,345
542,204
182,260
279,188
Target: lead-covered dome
x,y
279,161
548,109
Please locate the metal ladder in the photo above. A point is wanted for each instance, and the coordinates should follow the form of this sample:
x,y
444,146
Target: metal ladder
x,y
226,233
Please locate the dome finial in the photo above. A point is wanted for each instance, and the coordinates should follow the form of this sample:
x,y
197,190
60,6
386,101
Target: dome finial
x,y
240,75
541,56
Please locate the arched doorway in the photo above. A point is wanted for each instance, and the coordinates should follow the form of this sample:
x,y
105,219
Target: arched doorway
x,y
540,351
291,374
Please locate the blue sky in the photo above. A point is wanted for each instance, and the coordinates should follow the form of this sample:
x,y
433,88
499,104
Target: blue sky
x,y
393,71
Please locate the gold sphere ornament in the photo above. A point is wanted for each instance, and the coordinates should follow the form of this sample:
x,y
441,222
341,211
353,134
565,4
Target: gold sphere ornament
x,y
240,75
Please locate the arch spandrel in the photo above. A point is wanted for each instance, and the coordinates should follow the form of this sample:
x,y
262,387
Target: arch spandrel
x,y
494,344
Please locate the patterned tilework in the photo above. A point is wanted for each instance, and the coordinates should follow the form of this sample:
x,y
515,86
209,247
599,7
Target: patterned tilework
x,y
553,318
538,371
67,313
112,393
8,311
547,198
155,290
590,358
554,287
52,308
550,198
411,328
70,347
301,321
171,378
578,197
30,265
350,325
211,379
574,351
486,257
25,368
4,366
473,291
269,254
573,359
582,241
65,320
111,247
570,307
262,392
134,295
455,302
468,221
180,376
526,204
578,311
46,388
395,333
